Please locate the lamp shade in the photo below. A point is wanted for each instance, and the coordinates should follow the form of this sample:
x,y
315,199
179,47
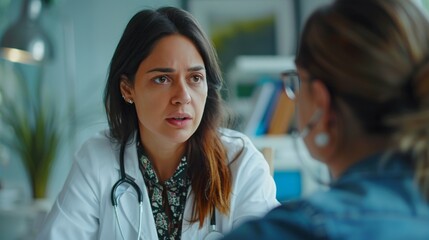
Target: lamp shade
x,y
24,40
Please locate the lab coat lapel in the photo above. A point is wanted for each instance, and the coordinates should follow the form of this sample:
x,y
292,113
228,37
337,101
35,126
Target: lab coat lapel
x,y
129,212
128,203
191,230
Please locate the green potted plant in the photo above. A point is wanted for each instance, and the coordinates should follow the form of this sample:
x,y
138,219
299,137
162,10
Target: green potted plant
x,y
31,133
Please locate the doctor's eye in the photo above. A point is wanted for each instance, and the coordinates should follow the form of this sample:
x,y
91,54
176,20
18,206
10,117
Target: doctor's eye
x,y
197,78
161,80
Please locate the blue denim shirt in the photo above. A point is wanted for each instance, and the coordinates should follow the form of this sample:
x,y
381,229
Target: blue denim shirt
x,y
374,199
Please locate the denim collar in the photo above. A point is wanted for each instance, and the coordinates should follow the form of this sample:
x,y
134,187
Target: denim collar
x,y
379,164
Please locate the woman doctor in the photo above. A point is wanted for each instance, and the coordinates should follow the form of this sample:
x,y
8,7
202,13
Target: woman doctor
x,y
165,150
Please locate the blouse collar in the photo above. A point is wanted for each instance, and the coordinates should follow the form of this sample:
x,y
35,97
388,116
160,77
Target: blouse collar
x,y
177,180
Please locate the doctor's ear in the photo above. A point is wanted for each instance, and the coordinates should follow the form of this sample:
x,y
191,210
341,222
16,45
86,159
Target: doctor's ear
x,y
126,89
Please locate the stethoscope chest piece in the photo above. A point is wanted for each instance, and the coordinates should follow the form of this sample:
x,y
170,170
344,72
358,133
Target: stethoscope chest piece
x,y
213,235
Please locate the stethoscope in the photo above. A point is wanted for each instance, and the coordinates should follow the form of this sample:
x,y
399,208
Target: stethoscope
x,y
115,195
117,192
213,233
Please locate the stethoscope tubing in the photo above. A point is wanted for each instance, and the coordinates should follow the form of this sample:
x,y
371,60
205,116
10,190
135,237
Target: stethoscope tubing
x,y
211,235
125,179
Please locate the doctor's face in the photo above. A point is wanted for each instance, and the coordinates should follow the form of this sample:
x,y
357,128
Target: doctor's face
x,y
170,91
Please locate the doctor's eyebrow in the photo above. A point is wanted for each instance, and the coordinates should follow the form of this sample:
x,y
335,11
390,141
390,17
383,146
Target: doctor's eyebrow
x,y
166,70
196,68
170,70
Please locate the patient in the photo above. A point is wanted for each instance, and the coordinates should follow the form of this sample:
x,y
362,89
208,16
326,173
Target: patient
x,y
362,96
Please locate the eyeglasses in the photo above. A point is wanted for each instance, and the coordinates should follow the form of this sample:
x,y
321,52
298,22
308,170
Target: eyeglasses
x,y
291,83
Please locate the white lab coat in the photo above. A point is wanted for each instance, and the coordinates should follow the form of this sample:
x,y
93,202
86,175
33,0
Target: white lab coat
x,y
83,209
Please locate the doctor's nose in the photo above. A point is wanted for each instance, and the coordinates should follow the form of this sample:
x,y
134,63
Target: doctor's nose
x,y
181,95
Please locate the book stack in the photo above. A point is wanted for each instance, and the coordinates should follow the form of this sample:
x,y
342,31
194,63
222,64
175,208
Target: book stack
x,y
272,111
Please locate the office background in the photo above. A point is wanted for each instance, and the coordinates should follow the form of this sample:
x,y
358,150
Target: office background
x,y
84,34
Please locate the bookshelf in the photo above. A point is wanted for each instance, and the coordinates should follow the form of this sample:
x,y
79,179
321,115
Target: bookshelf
x,y
243,76
254,86
294,169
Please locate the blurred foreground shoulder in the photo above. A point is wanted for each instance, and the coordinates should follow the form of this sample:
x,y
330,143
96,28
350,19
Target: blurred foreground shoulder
x,y
289,221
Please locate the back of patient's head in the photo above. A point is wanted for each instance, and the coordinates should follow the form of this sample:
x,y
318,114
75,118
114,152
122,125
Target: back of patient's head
x,y
373,55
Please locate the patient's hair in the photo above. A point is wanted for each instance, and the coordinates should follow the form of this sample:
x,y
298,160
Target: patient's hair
x,y
374,56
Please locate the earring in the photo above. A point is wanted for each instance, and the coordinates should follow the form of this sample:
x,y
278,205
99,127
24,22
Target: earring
x,y
128,101
321,139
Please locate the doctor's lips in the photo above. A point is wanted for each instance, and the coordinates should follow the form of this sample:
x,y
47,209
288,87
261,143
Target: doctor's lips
x,y
179,119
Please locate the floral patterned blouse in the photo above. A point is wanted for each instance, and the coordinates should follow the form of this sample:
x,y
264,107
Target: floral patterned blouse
x,y
167,198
